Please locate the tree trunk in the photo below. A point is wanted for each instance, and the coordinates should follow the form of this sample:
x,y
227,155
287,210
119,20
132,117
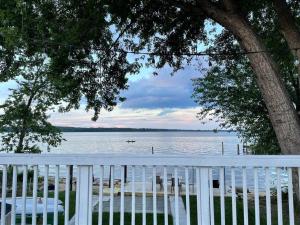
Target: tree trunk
x,y
282,113
291,34
20,147
288,26
24,127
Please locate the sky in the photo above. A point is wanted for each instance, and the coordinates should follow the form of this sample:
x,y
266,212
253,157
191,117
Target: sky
x,y
162,101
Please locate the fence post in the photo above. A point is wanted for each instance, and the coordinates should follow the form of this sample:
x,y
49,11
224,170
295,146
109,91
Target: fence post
x,y
204,195
84,201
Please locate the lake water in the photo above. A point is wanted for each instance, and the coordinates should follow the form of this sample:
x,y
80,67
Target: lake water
x,y
175,143
163,143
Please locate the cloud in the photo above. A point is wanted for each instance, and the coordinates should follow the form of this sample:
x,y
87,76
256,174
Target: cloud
x,y
165,112
162,101
162,91
175,118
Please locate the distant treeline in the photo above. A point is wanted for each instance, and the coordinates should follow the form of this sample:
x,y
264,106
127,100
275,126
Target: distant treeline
x,y
101,129
115,129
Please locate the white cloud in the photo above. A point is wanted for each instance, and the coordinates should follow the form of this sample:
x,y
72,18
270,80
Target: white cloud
x,y
135,118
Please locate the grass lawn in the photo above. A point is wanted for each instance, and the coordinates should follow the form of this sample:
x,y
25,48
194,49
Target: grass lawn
x,y
127,219
193,207
251,211
228,211
127,216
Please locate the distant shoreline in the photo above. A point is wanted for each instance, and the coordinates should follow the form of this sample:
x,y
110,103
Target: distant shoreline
x,y
101,129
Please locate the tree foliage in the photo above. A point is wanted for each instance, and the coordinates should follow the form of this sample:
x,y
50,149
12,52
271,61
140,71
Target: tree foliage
x,y
59,53
233,98
229,90
236,89
24,122
77,40
86,44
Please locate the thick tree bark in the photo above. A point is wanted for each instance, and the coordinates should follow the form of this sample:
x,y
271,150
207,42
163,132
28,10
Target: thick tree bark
x,y
288,26
290,32
282,113
280,107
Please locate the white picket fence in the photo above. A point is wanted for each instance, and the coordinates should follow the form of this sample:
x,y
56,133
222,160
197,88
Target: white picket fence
x,y
56,168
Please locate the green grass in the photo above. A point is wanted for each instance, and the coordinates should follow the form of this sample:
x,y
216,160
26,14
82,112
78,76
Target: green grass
x,y
228,212
127,216
127,219
193,207
251,211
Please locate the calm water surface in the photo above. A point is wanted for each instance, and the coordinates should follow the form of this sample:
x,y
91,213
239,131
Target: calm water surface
x,y
163,143
187,143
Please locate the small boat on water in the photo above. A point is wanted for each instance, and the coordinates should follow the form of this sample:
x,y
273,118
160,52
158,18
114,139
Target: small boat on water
x,y
130,141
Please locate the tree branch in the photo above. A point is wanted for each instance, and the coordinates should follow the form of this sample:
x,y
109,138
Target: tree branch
x,y
212,10
231,20
287,24
290,32
230,5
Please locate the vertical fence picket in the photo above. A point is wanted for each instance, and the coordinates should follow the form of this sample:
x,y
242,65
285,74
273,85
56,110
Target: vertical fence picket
x,y
85,195
211,196
90,212
24,195
100,209
187,196
299,180
4,186
268,197
256,197
198,196
291,199
56,193
222,194
245,196
154,196
204,195
144,194
67,195
111,206
166,219
233,197
14,195
34,194
279,197
176,196
77,195
133,196
122,197
45,198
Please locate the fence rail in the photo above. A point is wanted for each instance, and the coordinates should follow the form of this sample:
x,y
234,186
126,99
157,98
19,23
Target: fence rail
x,y
179,190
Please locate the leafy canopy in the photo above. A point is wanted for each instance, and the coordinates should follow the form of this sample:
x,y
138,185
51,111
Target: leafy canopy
x,y
80,48
25,120
229,90
86,44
